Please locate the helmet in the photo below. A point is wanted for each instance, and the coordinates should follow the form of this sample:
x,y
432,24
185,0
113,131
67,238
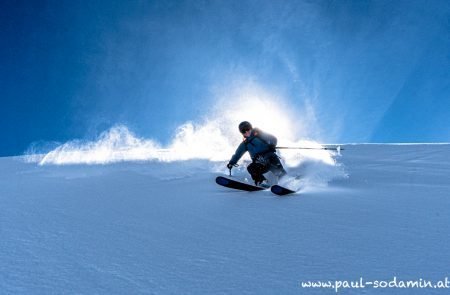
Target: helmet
x,y
245,126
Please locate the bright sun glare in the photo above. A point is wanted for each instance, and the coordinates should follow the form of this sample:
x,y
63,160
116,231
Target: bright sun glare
x,y
265,115
262,109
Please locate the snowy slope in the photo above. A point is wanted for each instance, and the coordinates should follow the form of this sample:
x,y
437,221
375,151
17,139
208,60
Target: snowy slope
x,y
167,228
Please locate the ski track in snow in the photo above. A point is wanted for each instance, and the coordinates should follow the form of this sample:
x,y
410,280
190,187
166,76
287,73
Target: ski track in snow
x,y
167,228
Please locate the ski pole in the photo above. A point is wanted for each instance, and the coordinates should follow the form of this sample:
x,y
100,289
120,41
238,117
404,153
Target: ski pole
x,y
235,165
309,148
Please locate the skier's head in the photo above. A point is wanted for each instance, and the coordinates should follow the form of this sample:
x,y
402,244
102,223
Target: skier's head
x,y
244,127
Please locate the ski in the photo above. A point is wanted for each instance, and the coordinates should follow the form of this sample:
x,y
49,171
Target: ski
x,y
231,183
281,191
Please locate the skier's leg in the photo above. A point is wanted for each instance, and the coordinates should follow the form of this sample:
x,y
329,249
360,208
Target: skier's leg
x,y
276,167
257,170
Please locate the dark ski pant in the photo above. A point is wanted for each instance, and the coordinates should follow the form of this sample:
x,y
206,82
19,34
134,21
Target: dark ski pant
x,y
269,162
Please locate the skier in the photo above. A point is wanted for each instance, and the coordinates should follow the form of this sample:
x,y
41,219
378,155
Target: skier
x,y
261,147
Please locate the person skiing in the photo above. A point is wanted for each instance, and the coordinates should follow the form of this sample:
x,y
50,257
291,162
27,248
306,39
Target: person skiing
x,y
261,147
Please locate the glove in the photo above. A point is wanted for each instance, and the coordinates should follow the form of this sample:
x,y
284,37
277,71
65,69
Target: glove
x,y
229,166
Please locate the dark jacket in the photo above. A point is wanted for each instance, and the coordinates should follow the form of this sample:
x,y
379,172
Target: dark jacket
x,y
258,143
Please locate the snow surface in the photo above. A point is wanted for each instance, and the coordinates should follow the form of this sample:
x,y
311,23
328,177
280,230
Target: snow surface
x,y
166,228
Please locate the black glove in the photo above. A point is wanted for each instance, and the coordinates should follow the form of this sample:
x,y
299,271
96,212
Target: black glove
x,y
272,148
229,166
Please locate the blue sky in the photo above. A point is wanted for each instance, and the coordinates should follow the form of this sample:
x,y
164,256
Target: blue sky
x,y
369,71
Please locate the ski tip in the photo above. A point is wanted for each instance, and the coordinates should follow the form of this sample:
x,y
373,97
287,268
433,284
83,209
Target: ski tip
x,y
281,191
222,180
276,189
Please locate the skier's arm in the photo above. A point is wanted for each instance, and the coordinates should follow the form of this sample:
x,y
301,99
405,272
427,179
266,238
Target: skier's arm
x,y
238,154
269,139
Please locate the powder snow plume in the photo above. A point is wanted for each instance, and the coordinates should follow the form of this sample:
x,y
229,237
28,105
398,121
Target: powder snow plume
x,y
214,138
119,144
